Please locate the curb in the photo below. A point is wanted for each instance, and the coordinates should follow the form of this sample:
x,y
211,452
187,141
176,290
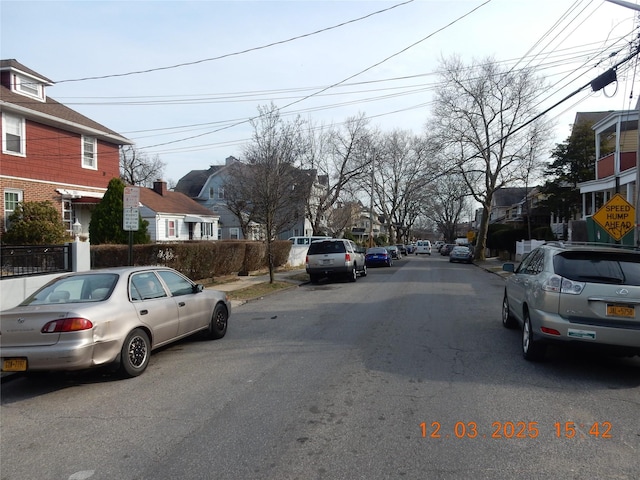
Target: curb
x,y
237,303
491,267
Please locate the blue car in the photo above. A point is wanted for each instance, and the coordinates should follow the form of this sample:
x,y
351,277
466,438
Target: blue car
x,y
461,254
378,256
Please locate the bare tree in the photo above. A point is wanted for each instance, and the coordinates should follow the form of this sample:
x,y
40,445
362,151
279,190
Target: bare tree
x,y
448,200
343,216
238,195
531,168
339,157
402,172
272,188
484,116
137,168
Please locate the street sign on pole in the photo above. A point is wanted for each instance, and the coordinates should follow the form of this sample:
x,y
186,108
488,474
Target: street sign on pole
x,y
131,215
617,217
130,219
131,197
131,212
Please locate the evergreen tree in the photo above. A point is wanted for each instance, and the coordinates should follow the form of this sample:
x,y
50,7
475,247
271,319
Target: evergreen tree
x,y
35,223
107,219
573,163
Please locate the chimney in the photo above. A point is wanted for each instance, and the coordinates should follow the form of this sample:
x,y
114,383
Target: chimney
x,y
160,187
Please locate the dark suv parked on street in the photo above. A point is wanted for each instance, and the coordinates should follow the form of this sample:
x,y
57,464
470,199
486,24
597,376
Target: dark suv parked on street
x,y
335,257
586,295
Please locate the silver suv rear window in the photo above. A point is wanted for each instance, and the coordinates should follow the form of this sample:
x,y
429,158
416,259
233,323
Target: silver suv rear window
x,y
326,247
599,267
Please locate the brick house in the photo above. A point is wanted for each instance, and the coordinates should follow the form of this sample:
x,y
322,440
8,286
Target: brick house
x,y
49,151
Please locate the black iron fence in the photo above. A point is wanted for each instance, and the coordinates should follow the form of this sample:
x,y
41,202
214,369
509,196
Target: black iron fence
x,y
21,261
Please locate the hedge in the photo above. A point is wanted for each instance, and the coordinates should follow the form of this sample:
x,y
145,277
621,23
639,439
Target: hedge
x,y
197,260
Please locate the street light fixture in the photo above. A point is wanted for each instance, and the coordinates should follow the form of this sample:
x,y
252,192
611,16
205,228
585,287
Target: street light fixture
x,y
77,229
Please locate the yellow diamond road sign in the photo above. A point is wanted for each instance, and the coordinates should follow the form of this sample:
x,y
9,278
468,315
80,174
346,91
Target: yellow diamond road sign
x,y
617,217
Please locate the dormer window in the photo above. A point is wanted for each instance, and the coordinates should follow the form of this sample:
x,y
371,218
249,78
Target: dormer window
x,y
28,86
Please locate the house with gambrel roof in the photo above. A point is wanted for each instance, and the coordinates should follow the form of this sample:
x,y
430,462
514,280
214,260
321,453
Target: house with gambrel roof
x,y
207,188
50,152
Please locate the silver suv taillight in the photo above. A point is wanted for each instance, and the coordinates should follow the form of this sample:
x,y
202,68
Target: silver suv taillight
x,y
556,283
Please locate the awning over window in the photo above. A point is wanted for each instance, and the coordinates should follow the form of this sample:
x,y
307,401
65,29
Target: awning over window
x,y
196,219
76,194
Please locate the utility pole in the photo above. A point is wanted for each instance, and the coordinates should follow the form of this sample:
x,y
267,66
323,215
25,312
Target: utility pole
x,y
371,243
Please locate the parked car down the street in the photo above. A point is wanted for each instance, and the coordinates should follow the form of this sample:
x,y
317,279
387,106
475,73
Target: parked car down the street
x,y
446,248
378,256
113,316
402,247
335,257
461,254
580,295
423,247
394,252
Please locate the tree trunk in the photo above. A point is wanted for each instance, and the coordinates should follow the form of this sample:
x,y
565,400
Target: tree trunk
x,y
481,244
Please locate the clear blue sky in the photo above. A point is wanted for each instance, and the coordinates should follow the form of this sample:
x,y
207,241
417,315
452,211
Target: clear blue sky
x,y
393,57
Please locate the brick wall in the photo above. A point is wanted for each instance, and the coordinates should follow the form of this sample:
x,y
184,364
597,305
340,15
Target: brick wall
x,y
33,191
55,155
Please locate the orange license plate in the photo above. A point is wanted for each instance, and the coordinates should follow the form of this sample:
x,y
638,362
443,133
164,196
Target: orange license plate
x,y
620,311
14,365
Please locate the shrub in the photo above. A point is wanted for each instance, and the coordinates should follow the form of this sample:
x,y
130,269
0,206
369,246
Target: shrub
x,y
107,219
506,239
543,233
35,223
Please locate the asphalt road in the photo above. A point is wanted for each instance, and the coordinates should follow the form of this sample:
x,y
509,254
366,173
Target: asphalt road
x,y
407,373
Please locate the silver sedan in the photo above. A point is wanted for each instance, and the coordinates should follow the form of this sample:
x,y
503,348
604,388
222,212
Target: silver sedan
x,y
112,316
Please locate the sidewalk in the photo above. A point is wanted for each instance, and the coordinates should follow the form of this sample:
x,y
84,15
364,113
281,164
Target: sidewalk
x,y
494,265
238,282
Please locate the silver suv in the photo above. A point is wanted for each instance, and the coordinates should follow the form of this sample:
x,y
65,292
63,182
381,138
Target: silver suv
x,y
335,257
581,294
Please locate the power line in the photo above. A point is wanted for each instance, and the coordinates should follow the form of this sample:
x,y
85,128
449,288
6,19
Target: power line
x,y
253,49
337,83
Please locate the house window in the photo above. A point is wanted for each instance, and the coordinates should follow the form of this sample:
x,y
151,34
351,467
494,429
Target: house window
x,y
11,199
219,234
220,192
67,215
210,192
207,230
13,139
234,233
89,152
28,86
171,229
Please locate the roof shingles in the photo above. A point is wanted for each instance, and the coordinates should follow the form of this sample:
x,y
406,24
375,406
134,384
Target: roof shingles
x,y
171,202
